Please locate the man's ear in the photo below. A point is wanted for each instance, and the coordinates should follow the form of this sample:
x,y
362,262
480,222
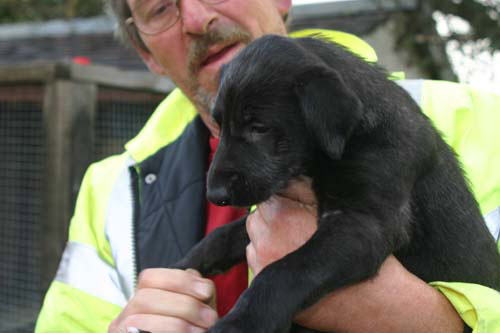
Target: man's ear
x,y
146,56
331,110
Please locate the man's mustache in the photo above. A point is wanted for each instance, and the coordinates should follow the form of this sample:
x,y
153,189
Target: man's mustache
x,y
199,49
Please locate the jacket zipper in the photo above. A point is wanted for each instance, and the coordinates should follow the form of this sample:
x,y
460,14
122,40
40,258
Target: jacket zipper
x,y
135,189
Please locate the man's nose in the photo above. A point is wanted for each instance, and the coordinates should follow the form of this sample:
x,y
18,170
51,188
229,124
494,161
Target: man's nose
x,y
196,16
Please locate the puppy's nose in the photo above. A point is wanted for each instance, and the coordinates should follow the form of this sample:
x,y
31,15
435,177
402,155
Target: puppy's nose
x,y
221,186
219,195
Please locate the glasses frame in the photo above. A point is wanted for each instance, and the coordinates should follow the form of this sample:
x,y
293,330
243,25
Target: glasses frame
x,y
131,21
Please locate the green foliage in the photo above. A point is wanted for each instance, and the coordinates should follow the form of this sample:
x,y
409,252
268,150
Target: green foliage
x,y
39,10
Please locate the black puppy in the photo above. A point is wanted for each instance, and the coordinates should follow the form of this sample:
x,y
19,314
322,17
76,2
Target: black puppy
x,y
384,179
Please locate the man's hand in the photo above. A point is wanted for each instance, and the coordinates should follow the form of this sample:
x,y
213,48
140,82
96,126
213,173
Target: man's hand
x,y
169,300
393,301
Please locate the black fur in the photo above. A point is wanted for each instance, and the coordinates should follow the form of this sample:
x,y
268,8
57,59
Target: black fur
x,y
384,179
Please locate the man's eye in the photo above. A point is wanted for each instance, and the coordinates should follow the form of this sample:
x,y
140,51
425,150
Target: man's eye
x,y
159,9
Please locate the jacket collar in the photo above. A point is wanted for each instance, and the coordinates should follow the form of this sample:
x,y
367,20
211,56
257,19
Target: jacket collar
x,y
164,126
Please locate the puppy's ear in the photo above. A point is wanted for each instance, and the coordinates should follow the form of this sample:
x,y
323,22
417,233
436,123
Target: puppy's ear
x,y
330,109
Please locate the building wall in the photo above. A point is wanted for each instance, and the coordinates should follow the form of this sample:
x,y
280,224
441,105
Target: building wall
x,y
383,41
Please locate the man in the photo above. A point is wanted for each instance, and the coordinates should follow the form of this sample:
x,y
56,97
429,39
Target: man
x,y
116,233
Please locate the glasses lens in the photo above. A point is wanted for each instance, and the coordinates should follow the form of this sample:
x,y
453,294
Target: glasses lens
x,y
154,16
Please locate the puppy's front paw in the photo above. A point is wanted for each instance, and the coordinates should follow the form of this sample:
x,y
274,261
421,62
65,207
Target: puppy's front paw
x,y
182,264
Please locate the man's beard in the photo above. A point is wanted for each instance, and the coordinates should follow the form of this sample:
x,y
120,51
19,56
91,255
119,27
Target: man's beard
x,y
198,51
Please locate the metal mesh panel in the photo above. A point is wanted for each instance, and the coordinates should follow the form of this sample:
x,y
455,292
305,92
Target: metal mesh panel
x,y
22,153
120,116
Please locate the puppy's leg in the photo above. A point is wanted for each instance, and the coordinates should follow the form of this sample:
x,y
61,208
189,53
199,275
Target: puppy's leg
x,y
219,251
346,248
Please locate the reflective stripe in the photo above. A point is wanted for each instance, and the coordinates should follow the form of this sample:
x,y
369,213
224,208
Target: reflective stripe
x,y
119,229
89,220
493,222
102,282
414,88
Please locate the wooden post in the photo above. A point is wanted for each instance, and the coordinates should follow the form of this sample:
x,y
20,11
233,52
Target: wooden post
x,y
68,113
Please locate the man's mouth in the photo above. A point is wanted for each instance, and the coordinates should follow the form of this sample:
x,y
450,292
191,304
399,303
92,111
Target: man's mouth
x,y
217,54
209,52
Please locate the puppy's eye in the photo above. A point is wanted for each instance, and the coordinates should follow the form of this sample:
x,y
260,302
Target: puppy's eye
x,y
259,129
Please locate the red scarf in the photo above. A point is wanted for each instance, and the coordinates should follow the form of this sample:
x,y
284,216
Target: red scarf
x,y
231,284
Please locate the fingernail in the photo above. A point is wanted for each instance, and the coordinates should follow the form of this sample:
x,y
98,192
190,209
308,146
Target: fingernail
x,y
209,316
203,289
131,329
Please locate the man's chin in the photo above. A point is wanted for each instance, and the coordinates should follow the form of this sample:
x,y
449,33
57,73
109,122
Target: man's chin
x,y
204,99
208,82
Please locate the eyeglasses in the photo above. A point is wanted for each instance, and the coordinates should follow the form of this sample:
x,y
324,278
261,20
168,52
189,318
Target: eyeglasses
x,y
154,16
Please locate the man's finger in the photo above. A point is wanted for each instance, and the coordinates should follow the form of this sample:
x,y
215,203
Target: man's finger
x,y
252,259
179,281
169,304
256,227
194,272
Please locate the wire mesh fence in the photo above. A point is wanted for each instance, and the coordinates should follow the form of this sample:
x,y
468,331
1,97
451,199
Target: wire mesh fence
x,y
27,129
22,151
120,115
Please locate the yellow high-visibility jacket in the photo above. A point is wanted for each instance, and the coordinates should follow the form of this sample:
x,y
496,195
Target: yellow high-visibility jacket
x,y
97,273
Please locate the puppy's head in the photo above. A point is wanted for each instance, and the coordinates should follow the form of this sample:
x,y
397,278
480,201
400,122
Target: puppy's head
x,y
277,109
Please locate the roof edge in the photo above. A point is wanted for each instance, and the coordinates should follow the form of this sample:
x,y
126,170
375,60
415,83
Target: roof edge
x,y
98,74
56,28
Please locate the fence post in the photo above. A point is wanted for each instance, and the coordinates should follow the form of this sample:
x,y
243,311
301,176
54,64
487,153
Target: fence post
x,y
68,118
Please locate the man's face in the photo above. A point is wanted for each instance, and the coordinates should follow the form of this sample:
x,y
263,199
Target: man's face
x,y
207,36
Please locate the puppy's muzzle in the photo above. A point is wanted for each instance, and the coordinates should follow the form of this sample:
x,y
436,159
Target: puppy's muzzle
x,y
219,190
